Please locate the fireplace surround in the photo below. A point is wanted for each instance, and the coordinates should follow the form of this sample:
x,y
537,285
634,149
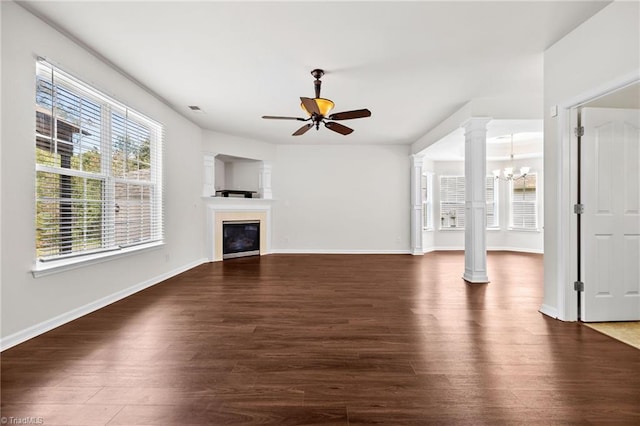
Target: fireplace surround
x,y
220,209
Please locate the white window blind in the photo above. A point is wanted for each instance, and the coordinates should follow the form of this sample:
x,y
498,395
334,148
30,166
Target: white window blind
x,y
427,200
98,170
452,201
492,202
524,206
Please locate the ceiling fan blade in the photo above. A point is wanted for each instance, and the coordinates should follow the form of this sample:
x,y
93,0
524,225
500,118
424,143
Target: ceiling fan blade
x,y
302,130
275,117
337,127
310,105
348,115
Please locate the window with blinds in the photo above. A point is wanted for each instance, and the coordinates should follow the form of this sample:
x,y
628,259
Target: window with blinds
x,y
452,202
524,203
98,170
492,202
427,200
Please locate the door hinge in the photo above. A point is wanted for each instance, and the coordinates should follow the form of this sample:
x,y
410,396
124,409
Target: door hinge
x,y
578,286
579,131
578,208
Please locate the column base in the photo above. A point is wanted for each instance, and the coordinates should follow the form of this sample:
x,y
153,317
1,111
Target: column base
x,y
476,278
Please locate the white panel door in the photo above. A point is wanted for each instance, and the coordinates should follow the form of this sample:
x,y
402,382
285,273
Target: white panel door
x,y
610,189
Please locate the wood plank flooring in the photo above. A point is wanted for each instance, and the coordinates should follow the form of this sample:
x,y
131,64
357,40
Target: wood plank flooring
x,y
327,339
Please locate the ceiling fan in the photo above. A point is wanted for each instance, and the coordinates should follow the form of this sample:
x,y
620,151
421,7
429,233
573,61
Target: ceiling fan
x,y
318,110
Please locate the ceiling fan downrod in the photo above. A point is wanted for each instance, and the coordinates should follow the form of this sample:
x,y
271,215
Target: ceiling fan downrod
x,y
317,74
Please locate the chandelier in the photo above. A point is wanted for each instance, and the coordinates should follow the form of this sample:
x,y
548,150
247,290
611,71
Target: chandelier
x,y
507,172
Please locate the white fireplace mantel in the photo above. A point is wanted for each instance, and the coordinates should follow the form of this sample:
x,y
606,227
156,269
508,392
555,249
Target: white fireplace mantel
x,y
219,209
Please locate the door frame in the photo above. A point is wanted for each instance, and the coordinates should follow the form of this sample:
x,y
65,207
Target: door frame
x,y
567,153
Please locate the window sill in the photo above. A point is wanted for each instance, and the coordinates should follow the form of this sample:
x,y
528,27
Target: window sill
x,y
524,230
41,269
462,229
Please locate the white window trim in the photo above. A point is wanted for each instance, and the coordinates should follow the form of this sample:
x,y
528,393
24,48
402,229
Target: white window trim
x,y
41,269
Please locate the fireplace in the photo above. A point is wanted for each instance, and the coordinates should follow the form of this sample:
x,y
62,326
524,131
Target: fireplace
x,y
222,210
240,238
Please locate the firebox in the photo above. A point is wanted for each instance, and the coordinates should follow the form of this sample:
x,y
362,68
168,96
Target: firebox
x,y
240,238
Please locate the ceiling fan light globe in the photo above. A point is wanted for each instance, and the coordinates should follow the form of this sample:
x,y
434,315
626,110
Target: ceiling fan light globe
x,y
324,105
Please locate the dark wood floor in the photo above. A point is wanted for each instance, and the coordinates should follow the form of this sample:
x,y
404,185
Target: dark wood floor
x,y
327,339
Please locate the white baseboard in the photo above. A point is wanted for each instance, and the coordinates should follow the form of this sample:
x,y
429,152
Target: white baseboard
x,y
447,248
426,250
516,249
549,311
337,251
48,325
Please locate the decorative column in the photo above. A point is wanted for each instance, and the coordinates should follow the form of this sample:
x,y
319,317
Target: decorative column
x,y
416,205
209,167
264,181
475,203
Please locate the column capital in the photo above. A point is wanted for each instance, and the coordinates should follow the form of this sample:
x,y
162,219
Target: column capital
x,y
476,123
416,159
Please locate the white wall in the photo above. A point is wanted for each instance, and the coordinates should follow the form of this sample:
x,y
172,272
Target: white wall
x,y
31,305
341,198
600,54
327,198
242,175
497,239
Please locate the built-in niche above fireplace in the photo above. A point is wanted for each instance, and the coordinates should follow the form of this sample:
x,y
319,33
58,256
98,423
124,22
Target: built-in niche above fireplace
x,y
240,239
230,176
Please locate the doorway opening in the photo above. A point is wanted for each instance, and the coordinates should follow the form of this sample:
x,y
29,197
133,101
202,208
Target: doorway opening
x,y
608,206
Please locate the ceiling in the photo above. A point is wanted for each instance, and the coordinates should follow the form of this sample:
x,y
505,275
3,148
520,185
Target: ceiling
x,y
412,64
